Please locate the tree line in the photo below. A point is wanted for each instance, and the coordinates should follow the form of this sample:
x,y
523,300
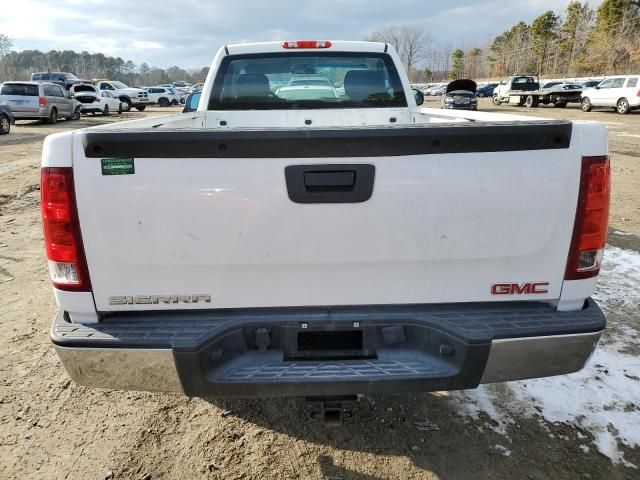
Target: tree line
x,y
19,66
580,41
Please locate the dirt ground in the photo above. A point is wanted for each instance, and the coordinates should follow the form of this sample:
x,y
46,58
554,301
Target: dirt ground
x,y
52,429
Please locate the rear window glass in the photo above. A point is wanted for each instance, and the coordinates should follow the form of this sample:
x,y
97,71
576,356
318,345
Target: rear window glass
x,y
307,80
84,88
632,82
21,89
618,82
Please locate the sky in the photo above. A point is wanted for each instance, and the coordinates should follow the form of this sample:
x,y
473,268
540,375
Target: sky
x,y
188,32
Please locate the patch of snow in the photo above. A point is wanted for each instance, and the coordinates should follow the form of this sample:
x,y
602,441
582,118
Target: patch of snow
x,y
622,234
603,398
619,279
585,448
504,451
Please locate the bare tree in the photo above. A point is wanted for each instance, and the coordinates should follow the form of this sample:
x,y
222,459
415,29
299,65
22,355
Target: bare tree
x,y
410,42
5,45
416,43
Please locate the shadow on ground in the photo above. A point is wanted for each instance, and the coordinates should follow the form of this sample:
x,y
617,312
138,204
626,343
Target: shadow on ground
x,y
452,447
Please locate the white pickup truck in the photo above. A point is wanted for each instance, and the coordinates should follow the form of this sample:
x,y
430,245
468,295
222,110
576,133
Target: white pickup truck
x,y
129,96
324,244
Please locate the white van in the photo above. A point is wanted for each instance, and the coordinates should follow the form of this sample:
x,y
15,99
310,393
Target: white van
x,y
621,92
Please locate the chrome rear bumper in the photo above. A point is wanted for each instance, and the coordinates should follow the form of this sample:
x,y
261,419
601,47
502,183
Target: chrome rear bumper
x,y
404,349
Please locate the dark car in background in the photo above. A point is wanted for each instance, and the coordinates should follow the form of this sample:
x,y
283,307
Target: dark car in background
x,y
6,119
486,90
64,79
590,83
460,95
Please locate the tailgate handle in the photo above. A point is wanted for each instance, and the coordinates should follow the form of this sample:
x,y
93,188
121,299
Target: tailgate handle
x,y
342,183
327,181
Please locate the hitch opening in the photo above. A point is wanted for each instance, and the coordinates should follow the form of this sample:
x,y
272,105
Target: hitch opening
x,y
332,411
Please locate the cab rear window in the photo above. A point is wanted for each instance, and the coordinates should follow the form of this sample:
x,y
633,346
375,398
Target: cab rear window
x,y
307,80
19,89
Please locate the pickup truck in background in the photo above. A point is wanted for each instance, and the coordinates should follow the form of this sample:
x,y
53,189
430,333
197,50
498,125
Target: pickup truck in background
x,y
525,90
323,245
129,96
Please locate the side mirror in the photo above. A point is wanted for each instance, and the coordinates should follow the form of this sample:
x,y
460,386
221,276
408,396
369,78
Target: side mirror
x,y
597,87
419,96
191,103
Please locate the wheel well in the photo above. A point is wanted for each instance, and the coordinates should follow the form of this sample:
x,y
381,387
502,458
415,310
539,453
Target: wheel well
x,y
124,98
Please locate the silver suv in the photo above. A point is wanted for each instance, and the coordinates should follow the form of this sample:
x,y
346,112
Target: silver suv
x,y
39,101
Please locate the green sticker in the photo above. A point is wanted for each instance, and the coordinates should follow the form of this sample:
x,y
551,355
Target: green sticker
x,y
118,166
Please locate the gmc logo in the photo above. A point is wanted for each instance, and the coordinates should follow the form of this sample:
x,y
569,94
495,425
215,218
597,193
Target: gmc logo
x,y
526,288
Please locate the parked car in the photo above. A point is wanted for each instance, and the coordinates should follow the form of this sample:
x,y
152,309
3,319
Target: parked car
x,y
182,94
93,101
129,96
439,90
163,96
547,85
460,95
6,119
590,83
317,80
307,91
621,93
432,89
64,79
561,86
39,101
385,255
181,84
486,90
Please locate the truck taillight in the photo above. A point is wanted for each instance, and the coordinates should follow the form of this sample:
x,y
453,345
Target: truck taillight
x,y
62,239
307,44
592,217
42,101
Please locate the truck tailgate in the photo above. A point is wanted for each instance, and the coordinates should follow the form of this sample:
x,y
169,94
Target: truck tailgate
x,y
452,211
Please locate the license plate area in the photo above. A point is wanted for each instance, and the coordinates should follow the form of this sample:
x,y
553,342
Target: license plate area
x,y
328,341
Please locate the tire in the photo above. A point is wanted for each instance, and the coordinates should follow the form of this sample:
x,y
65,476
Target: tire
x,y
5,124
585,104
560,104
175,102
164,102
126,104
530,101
141,108
622,107
521,101
496,100
106,112
76,114
120,109
53,117
481,95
